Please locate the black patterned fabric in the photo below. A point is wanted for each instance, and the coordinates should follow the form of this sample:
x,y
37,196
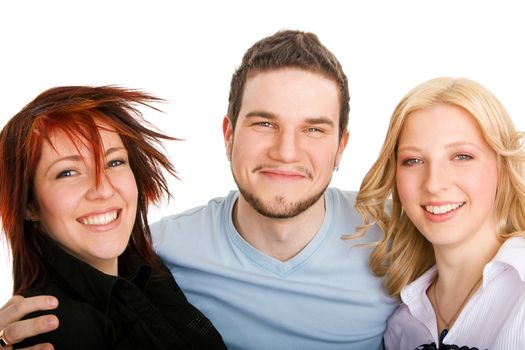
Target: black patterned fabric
x,y
442,346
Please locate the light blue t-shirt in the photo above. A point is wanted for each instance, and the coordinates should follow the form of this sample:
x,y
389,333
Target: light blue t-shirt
x,y
325,297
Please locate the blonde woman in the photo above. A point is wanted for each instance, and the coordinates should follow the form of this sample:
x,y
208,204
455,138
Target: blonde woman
x,y
454,247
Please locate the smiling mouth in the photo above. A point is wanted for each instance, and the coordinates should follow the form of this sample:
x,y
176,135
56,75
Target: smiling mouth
x,y
298,172
101,219
443,209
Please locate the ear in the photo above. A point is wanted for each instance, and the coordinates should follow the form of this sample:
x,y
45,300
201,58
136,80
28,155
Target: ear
x,y
31,213
341,147
227,131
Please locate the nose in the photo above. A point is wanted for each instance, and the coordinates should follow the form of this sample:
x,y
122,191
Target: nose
x,y
286,147
103,190
436,178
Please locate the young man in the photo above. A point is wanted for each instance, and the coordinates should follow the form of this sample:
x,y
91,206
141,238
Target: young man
x,y
267,263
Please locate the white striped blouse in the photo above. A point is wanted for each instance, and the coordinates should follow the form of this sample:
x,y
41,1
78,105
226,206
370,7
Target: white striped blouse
x,y
493,318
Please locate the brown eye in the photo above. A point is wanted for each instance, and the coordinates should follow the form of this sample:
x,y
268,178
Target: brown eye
x,y
313,130
65,173
265,124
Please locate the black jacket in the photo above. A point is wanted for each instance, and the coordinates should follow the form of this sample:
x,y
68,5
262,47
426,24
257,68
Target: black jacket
x,y
132,311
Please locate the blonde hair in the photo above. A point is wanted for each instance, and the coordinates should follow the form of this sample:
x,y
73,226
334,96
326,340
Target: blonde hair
x,y
404,254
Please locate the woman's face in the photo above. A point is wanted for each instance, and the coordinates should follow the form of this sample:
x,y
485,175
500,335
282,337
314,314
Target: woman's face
x,y
91,222
447,176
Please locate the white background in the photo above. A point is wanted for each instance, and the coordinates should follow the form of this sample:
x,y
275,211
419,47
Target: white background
x,y
186,52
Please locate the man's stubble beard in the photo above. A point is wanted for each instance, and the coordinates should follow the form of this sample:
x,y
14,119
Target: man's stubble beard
x,y
280,208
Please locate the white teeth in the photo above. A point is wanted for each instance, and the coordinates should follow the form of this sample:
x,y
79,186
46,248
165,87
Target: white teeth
x,y
442,209
102,219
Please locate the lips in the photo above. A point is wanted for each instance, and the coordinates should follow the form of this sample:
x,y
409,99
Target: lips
x,y
443,209
281,175
100,219
296,173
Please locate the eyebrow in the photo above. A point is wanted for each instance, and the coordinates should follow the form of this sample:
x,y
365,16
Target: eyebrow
x,y
450,145
78,158
272,116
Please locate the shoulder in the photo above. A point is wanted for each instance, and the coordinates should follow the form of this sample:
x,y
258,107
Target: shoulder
x,y
348,198
81,326
511,254
342,203
341,206
404,331
193,220
512,335
397,320
393,329
341,196
214,206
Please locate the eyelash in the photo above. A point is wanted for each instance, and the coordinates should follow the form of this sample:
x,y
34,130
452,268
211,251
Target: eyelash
x,y
65,173
264,124
70,172
411,161
309,129
415,161
119,161
463,156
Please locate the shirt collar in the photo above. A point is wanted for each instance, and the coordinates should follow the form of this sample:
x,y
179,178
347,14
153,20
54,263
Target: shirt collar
x,y
510,254
414,295
419,286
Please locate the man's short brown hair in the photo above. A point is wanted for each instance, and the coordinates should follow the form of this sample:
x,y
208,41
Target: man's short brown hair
x,y
289,49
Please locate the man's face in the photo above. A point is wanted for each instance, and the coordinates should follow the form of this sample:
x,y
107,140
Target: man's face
x,y
286,142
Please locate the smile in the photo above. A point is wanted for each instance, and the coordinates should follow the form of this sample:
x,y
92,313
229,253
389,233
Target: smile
x,y
443,209
297,173
101,219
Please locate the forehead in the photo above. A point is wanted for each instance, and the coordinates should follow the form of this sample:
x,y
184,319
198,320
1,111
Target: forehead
x,y
291,90
60,142
441,121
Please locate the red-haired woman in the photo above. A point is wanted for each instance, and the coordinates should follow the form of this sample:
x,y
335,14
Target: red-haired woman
x,y
78,169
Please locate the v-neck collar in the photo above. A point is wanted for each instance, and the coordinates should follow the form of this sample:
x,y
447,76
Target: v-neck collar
x,y
273,265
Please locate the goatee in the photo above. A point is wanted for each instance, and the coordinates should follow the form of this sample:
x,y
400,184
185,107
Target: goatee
x,y
279,207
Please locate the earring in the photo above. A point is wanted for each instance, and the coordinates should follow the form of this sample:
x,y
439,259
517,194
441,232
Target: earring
x,y
336,168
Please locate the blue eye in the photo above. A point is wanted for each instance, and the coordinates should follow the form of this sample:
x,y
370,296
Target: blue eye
x,y
463,157
115,162
412,161
313,130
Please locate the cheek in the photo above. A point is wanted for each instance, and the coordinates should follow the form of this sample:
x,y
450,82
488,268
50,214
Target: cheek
x,y
408,187
128,189
56,214
405,187
55,203
323,163
482,185
248,150
322,155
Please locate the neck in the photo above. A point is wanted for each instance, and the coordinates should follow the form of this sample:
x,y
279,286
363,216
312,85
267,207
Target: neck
x,y
109,267
462,265
281,239
460,271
